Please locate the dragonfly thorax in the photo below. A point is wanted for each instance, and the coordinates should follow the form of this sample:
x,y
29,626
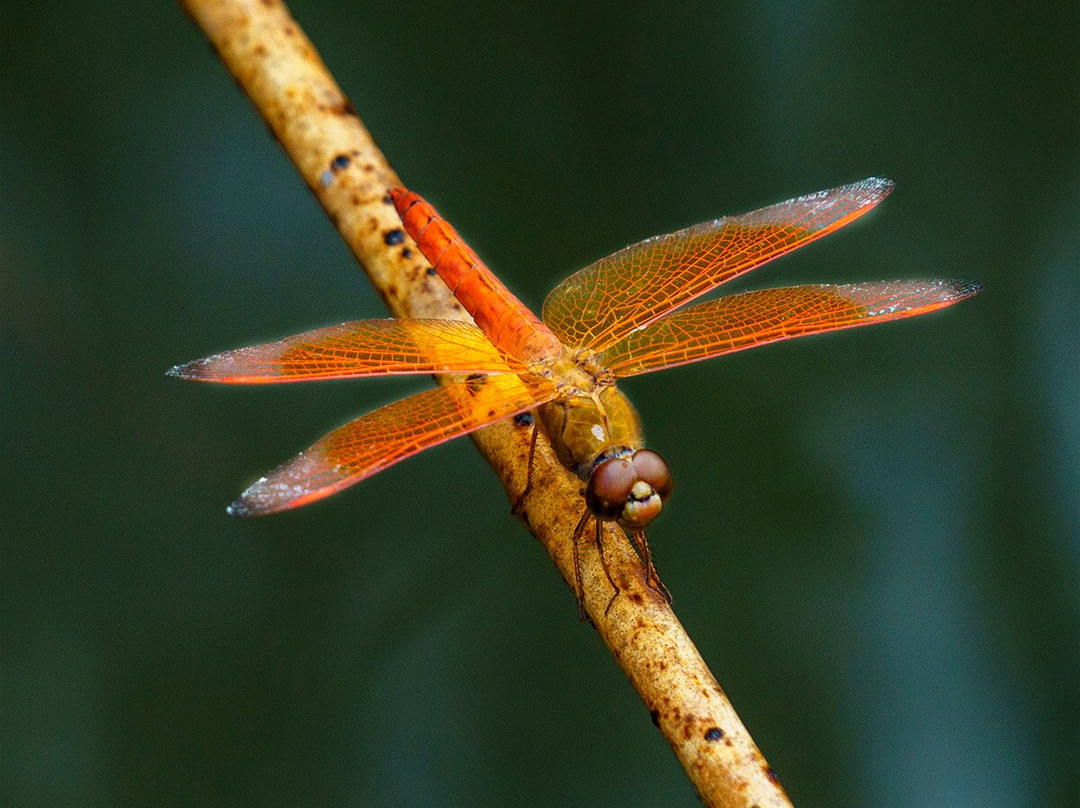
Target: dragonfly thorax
x,y
596,434
588,420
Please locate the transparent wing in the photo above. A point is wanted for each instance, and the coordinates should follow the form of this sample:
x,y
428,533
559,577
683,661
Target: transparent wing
x,y
600,304
362,348
381,438
742,321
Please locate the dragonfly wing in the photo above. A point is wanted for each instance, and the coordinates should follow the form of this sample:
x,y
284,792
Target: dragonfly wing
x,y
362,348
381,438
600,304
742,321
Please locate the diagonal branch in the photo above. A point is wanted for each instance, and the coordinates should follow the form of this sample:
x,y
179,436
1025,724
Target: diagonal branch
x,y
279,69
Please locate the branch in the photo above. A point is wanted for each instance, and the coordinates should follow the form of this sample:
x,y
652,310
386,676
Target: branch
x,y
279,69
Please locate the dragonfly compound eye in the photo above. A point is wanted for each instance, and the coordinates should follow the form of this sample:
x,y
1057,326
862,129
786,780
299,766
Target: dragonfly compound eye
x,y
609,487
652,468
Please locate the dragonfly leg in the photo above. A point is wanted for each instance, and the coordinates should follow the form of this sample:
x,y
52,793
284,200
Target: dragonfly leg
x,y
652,577
518,508
604,566
579,581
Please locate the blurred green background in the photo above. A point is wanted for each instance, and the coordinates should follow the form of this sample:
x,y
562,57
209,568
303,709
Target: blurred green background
x,y
875,538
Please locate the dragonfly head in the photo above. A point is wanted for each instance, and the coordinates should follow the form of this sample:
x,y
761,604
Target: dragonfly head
x,y
629,490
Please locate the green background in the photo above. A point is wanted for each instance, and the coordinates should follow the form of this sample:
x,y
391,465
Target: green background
x,y
875,536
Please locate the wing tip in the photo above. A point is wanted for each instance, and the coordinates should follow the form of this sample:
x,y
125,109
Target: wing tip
x,y
187,370
252,502
297,482
272,494
963,288
238,508
871,189
822,212
878,188
881,184
263,497
243,366
865,193
893,299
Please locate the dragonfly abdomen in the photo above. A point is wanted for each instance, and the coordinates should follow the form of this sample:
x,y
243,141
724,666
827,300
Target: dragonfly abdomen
x,y
505,320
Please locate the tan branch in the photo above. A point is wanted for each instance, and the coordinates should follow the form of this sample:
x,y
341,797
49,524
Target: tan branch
x,y
279,69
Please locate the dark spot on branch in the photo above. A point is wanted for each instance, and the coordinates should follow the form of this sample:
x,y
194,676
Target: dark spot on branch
x,y
772,775
340,163
406,252
394,237
431,271
523,419
655,716
714,734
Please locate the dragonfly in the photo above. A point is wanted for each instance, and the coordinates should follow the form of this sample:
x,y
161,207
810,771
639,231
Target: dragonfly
x,y
621,316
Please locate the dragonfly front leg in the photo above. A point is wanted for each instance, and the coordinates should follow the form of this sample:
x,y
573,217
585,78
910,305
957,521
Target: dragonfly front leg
x,y
641,547
604,566
579,580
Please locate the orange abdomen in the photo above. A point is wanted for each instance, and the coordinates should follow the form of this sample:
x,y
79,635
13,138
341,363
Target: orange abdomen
x,y
506,321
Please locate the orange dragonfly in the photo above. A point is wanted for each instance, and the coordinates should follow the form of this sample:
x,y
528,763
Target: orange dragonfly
x,y
615,318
